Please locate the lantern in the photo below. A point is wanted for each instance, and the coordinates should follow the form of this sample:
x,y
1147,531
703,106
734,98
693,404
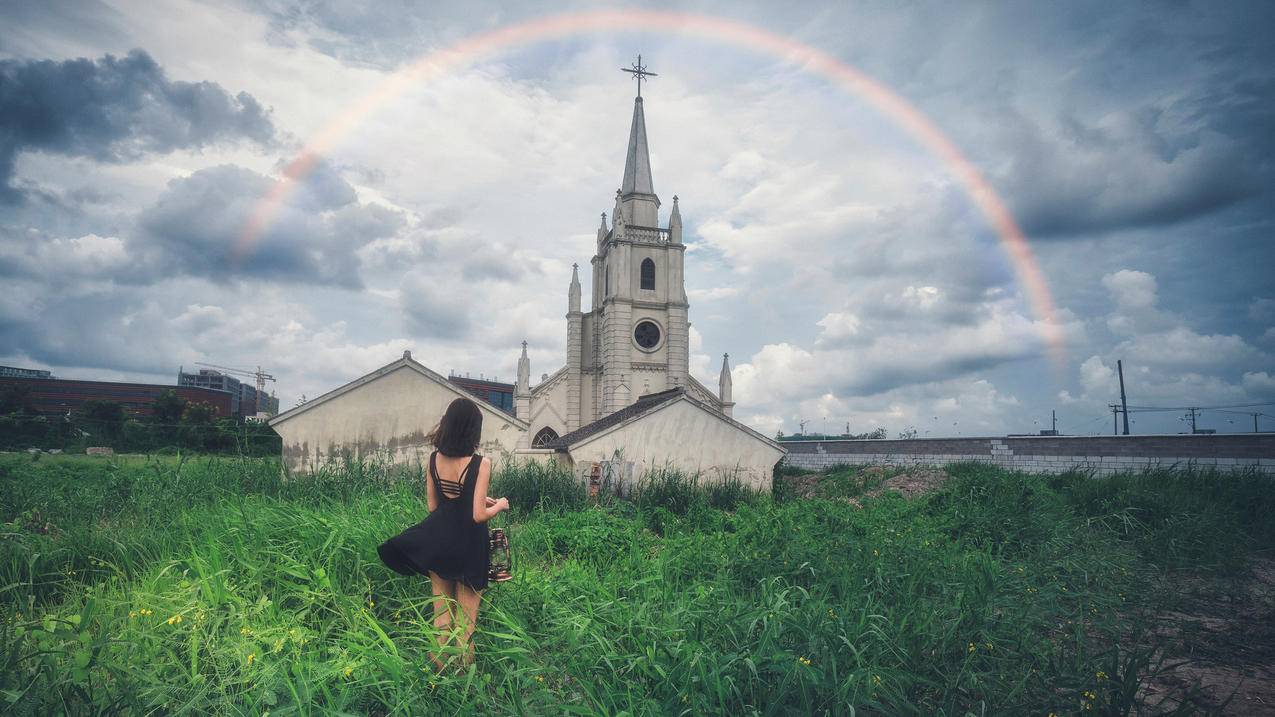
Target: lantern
x,y
500,562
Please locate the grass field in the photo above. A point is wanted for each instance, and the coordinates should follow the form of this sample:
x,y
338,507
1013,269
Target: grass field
x,y
211,586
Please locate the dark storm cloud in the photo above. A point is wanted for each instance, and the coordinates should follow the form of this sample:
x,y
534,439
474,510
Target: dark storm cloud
x,y
195,225
114,110
1076,178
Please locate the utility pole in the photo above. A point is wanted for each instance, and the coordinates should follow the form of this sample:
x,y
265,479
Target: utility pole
x,y
1115,418
1053,415
1124,406
1191,413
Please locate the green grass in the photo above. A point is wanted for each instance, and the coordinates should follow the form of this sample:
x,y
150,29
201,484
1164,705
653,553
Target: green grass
x,y
999,594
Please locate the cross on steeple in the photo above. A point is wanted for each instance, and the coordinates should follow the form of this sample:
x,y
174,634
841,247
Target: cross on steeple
x,y
638,72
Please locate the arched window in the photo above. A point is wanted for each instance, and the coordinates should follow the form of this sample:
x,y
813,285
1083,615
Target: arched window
x,y
543,437
648,274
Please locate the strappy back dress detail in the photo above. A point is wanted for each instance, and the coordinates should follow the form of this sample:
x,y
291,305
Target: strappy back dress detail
x,y
448,541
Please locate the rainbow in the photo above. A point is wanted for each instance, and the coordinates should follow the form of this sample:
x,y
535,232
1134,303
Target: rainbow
x,y
809,59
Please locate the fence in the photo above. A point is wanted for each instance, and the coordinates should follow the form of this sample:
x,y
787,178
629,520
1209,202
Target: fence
x,y
1048,454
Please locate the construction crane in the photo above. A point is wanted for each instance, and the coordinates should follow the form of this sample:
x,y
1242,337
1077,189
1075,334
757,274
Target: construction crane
x,y
260,375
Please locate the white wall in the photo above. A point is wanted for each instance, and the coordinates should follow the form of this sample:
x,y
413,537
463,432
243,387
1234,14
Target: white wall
x,y
685,436
384,419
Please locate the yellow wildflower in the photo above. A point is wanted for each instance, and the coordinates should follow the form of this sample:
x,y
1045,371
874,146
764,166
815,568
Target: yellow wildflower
x,y
1101,675
349,671
972,648
251,656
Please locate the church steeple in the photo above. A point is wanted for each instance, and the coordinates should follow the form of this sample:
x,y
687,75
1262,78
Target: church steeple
x,y
637,164
639,204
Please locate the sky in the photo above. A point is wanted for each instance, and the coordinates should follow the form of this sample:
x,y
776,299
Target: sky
x,y
843,265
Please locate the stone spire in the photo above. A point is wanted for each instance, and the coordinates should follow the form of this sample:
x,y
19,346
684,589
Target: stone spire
x,y
675,224
573,293
637,164
602,229
724,386
522,394
637,194
523,386
617,215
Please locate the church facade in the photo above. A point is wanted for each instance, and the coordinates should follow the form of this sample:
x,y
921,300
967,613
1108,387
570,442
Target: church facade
x,y
635,338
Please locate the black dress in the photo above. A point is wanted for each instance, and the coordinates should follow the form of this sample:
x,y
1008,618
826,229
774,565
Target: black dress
x,y
448,542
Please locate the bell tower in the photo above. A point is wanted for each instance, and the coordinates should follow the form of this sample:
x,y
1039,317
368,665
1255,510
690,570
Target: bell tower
x,y
639,311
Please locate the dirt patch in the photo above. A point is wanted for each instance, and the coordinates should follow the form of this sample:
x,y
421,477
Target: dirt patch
x,y
910,483
875,480
805,485
1218,645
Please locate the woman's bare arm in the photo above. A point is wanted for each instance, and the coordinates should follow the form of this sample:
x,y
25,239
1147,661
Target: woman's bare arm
x,y
484,508
431,498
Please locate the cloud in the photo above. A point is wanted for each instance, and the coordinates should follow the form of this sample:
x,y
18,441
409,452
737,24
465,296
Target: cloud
x,y
431,311
195,225
1130,168
1262,310
1131,289
115,110
1260,383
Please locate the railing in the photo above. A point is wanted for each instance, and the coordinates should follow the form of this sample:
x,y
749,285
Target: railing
x,y
645,235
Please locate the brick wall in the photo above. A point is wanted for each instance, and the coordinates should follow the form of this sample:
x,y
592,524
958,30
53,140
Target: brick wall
x,y
1041,454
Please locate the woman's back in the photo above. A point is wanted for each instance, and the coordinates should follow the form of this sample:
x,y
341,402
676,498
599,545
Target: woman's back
x,y
448,542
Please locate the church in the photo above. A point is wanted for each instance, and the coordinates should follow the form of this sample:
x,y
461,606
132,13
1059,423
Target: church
x,y
624,398
635,338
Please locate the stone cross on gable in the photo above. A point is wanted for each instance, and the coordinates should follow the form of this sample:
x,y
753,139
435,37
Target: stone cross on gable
x,y
638,72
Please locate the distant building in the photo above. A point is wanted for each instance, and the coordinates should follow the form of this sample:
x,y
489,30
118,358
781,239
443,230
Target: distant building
x,y
59,396
15,372
218,381
500,395
244,399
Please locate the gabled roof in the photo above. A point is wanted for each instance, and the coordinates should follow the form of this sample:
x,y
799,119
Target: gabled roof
x,y
645,405
546,383
408,362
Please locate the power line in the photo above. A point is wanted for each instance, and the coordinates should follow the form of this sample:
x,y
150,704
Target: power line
x,y
1137,409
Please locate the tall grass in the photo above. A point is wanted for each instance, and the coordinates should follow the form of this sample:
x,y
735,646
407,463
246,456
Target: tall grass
x,y
224,587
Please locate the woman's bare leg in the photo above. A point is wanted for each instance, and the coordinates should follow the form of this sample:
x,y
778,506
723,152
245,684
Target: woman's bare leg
x,y
444,613
468,599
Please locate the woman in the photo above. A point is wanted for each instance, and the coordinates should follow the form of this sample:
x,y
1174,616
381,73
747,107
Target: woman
x,y
450,545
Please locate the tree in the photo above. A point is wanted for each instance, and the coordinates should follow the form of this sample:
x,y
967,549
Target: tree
x,y
16,398
199,413
168,407
104,418
779,435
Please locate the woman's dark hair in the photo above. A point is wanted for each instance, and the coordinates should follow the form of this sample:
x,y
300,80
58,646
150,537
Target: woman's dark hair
x,y
460,430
